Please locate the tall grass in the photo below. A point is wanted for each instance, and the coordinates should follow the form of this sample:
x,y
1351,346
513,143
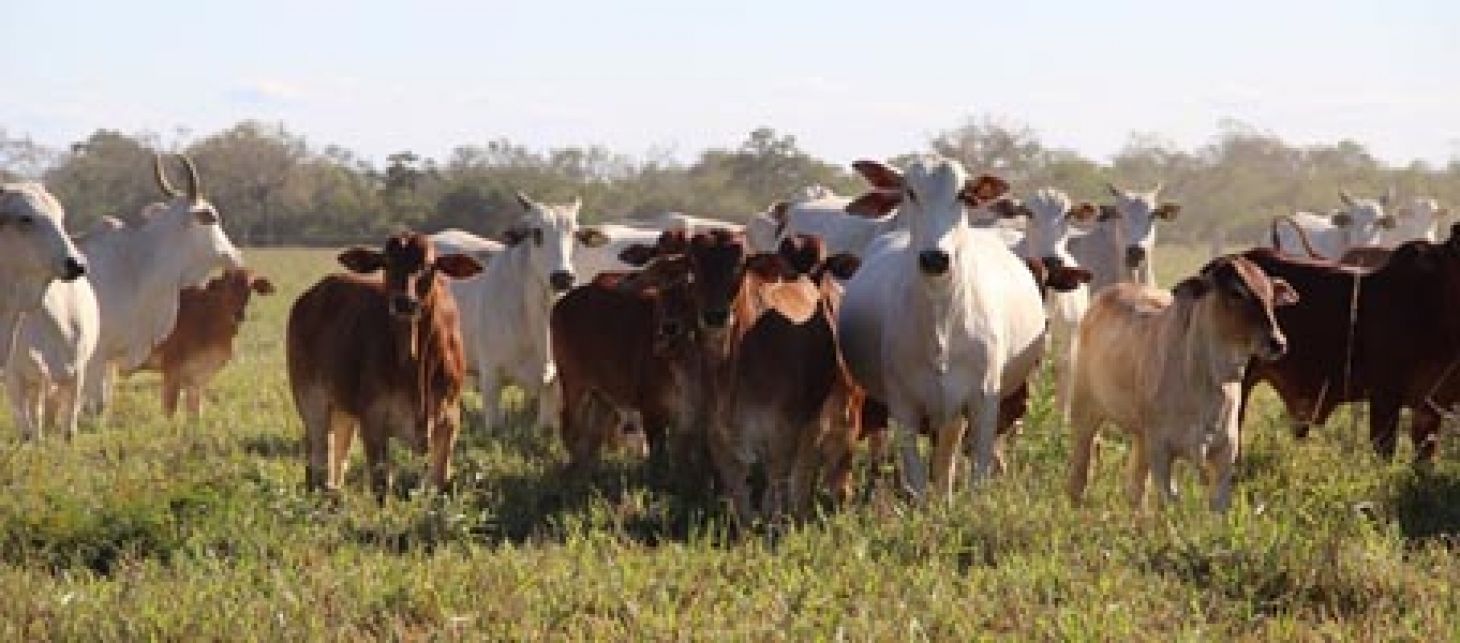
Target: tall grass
x,y
150,529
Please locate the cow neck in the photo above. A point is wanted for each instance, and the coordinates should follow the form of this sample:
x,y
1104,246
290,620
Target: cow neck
x,y
522,297
940,305
1204,360
420,349
137,280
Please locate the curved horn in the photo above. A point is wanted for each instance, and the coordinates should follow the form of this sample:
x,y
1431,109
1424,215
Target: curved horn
x,y
161,174
195,186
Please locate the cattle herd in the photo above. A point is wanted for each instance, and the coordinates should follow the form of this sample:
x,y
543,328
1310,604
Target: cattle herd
x,y
768,351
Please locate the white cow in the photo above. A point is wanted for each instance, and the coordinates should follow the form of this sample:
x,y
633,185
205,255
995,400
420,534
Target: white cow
x,y
456,241
1167,368
34,251
1415,220
1361,222
589,262
680,221
942,320
1051,219
845,225
53,348
1119,248
137,271
504,310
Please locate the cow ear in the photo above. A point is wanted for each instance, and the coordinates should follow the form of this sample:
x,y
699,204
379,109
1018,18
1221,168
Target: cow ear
x,y
1283,293
1192,288
1083,212
262,285
591,237
1387,222
1346,198
1067,278
1342,219
1442,212
1168,211
1007,208
515,235
1108,212
638,254
458,266
879,174
672,242
984,188
842,265
362,260
875,204
768,266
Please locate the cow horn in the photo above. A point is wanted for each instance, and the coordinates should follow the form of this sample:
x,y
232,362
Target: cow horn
x,y
195,186
161,174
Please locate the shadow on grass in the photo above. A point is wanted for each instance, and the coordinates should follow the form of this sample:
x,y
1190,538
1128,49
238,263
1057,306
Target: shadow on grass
x,y
269,445
1427,506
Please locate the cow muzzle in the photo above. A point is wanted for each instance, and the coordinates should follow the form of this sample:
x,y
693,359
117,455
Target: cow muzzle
x,y
1135,256
402,306
933,262
72,269
560,280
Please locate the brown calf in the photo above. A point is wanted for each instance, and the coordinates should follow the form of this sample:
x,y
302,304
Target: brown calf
x,y
382,354
201,342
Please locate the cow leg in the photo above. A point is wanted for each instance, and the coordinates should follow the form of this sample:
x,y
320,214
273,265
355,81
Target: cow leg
x,y
489,382
1084,427
1384,424
93,386
443,440
375,437
984,422
171,390
1160,458
21,407
68,407
734,474
946,442
314,410
1138,469
1424,433
194,396
1220,469
341,436
549,404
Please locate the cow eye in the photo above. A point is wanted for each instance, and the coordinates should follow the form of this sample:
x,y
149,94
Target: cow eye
x,y
911,196
25,219
537,236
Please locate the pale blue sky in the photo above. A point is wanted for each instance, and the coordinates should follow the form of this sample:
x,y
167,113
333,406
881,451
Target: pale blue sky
x,y
849,79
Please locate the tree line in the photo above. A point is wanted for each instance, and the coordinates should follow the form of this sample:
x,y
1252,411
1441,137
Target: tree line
x,y
275,188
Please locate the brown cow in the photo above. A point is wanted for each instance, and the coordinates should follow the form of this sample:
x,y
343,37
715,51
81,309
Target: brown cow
x,y
1366,256
382,354
788,393
201,342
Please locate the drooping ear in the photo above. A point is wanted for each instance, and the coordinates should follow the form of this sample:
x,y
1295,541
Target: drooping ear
x,y
362,260
1067,278
879,174
1168,211
262,285
1108,212
1386,222
638,254
1192,288
1342,219
514,235
1083,212
458,266
1283,293
842,265
875,204
768,266
983,189
591,237
1346,198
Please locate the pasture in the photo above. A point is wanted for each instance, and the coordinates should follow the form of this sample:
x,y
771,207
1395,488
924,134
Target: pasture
x,y
153,529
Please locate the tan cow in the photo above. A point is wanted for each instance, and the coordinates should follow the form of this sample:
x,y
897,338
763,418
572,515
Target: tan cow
x,y
201,342
1167,367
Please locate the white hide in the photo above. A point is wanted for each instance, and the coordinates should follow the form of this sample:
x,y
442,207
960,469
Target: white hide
x,y
455,241
1047,235
941,348
34,251
1415,220
53,348
1364,227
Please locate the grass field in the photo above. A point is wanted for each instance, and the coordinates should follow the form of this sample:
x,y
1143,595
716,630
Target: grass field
x,y
150,529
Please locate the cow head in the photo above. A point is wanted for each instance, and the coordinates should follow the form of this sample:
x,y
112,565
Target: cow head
x,y
1051,215
234,288
933,198
1418,219
193,227
665,284
411,266
717,267
1363,221
548,233
34,248
1134,216
1240,299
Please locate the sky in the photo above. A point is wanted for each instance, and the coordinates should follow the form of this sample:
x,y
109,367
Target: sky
x,y
849,79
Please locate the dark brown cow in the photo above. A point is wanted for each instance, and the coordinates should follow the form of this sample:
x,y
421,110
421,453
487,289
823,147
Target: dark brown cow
x,y
787,394
382,354
1366,256
201,342
1387,335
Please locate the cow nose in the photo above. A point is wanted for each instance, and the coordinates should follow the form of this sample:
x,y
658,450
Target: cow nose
x,y
933,262
404,306
717,318
1053,263
71,269
561,280
1134,256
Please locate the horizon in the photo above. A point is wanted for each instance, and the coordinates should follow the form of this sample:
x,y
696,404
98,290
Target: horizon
x,y
652,78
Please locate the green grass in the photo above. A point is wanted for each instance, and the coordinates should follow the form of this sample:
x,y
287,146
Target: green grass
x,y
148,529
